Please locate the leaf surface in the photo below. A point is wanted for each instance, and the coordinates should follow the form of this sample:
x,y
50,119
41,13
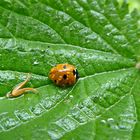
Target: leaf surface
x,y
101,38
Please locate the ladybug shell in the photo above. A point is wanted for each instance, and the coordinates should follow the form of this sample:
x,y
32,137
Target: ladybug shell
x,y
64,75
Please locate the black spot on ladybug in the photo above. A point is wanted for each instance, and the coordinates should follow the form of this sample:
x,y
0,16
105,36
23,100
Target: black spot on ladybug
x,y
64,76
64,66
55,81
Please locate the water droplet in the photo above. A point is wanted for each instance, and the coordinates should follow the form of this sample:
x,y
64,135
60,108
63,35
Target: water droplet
x,y
35,62
42,51
110,120
87,41
108,34
103,121
71,96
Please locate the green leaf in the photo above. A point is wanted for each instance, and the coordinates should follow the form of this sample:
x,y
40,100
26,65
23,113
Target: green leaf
x,y
101,38
132,4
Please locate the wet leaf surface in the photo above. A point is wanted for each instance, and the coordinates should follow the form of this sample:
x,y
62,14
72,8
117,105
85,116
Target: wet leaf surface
x,y
101,39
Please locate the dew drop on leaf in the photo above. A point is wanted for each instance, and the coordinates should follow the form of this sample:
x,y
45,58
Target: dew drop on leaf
x,y
36,62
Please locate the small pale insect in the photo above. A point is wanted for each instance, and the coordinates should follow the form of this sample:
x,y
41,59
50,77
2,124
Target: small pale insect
x,y
64,74
19,90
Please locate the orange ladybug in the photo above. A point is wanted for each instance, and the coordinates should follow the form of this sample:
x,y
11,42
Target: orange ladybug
x,y
64,75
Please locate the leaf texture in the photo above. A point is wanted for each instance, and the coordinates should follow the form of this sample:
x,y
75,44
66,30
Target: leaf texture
x,y
101,38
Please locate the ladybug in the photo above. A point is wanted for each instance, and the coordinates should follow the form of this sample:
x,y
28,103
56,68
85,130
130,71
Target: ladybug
x,y
64,75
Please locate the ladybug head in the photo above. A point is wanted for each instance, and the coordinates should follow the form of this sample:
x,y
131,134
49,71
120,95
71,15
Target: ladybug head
x,y
75,72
